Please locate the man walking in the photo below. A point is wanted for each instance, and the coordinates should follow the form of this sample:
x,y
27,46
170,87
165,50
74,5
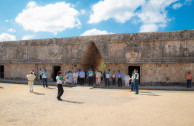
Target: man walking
x,y
59,80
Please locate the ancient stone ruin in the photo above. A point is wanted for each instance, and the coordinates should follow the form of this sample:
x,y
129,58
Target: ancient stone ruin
x,y
162,58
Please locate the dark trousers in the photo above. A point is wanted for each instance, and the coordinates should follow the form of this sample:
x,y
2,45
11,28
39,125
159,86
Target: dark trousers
x,y
44,80
78,80
120,82
40,77
113,81
107,82
91,81
60,91
188,83
82,81
136,87
132,86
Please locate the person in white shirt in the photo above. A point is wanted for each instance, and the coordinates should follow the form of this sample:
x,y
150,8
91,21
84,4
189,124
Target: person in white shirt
x,y
31,78
90,77
127,78
44,78
98,77
82,77
59,80
136,80
75,77
113,78
107,81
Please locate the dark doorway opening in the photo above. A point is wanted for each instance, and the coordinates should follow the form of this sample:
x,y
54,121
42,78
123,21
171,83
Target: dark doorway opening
x,y
56,69
91,58
131,69
1,71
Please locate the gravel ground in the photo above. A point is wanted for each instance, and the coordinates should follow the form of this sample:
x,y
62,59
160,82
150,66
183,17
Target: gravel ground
x,y
85,106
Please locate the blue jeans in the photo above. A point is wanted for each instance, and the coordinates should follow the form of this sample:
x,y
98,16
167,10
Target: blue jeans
x,y
132,86
90,81
136,87
188,83
107,81
44,80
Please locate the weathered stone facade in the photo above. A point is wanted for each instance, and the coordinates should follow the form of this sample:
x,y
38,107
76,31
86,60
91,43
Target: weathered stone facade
x,y
163,57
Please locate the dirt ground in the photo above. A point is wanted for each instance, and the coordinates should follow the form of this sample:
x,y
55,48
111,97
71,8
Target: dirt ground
x,y
83,106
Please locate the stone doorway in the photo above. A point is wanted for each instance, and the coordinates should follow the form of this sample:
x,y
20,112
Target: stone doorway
x,y
56,69
1,71
91,58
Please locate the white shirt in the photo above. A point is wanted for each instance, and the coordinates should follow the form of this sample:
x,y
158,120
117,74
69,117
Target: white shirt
x,y
44,75
58,80
75,75
31,77
126,78
107,75
90,73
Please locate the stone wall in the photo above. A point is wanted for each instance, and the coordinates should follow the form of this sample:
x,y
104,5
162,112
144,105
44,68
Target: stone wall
x,y
162,52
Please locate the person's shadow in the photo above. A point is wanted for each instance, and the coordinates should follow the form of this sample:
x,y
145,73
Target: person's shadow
x,y
1,87
37,93
75,102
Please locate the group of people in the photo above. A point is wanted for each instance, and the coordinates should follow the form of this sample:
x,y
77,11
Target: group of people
x,y
80,76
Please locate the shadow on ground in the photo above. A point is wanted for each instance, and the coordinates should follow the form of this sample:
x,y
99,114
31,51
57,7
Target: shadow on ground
x,y
149,94
75,102
1,87
37,93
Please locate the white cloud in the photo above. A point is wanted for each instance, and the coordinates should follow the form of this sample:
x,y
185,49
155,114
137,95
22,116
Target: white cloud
x,y
27,37
49,18
121,10
149,27
7,37
177,6
153,15
83,11
95,32
6,20
11,30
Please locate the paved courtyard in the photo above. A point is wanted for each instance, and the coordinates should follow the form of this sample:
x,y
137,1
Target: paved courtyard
x,y
85,106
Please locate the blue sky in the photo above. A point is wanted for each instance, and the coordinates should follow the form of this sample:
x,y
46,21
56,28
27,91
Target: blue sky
x,y
39,19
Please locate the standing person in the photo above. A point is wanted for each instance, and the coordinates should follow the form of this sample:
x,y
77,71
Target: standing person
x,y
82,77
31,78
101,75
113,78
127,78
90,77
75,77
132,82
44,78
189,79
40,72
70,77
119,78
78,76
98,78
59,80
104,75
107,81
136,80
